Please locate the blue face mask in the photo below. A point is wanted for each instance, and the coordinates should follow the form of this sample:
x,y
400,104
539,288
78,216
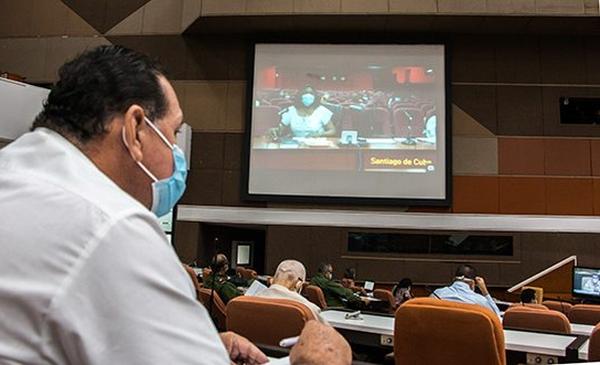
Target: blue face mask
x,y
166,192
308,99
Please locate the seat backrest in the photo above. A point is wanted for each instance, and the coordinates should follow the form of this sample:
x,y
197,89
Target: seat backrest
x,y
194,278
316,296
433,331
594,346
386,296
558,306
530,318
266,321
529,305
218,307
585,314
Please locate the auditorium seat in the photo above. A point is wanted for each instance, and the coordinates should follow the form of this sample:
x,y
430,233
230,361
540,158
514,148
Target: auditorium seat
x,y
387,297
529,305
194,278
556,305
266,321
585,314
218,307
316,296
433,331
530,318
408,122
594,346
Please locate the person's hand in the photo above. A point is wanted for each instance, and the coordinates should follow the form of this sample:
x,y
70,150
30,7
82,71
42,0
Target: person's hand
x,y
242,351
320,344
481,285
273,133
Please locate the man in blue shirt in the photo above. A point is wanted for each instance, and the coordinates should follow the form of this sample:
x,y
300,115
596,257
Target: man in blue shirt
x,y
463,289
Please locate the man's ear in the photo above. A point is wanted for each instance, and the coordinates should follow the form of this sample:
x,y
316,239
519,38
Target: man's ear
x,y
132,122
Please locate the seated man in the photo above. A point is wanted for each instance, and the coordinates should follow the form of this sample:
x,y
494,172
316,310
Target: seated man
x,y
287,284
348,281
218,279
528,296
335,293
463,289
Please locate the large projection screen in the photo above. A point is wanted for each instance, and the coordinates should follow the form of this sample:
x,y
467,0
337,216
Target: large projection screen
x,y
348,122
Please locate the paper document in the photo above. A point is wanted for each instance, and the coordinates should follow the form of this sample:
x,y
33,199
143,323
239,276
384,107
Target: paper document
x,y
255,288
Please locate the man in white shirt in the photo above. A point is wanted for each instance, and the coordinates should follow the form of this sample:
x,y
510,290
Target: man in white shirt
x,y
287,284
86,274
463,289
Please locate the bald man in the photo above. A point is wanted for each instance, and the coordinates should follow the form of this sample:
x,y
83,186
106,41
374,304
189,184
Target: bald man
x,y
287,284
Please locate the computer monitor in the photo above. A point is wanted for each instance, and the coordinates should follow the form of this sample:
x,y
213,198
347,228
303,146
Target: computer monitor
x,y
369,285
586,282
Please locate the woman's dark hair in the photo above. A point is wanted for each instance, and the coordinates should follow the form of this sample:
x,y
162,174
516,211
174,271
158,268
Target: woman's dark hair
x,y
98,84
405,283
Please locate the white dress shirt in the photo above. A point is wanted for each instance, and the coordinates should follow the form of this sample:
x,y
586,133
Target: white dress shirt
x,y
462,292
306,126
281,292
86,274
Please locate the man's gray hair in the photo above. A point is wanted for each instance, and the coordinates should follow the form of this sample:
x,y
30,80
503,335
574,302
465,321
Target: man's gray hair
x,y
290,270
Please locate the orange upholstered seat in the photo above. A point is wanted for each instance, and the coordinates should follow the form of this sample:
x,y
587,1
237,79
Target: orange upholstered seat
x,y
433,331
527,317
558,306
594,349
585,314
218,307
386,296
316,296
529,305
194,278
266,320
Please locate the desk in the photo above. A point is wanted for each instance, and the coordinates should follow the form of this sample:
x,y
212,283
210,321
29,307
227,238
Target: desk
x,y
583,351
581,329
518,341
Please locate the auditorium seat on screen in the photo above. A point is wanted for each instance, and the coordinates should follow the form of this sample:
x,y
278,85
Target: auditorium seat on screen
x,y
433,331
315,295
387,297
218,307
266,321
585,314
530,318
594,348
265,117
558,306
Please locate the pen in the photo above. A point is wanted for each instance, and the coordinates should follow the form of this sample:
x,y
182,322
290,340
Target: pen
x,y
288,342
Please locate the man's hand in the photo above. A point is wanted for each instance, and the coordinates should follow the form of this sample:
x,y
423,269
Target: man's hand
x,y
481,285
320,345
242,351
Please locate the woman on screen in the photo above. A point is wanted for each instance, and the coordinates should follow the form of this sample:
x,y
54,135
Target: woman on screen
x,y
306,118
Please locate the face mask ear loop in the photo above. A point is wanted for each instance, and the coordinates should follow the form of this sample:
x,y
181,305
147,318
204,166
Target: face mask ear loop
x,y
160,134
151,175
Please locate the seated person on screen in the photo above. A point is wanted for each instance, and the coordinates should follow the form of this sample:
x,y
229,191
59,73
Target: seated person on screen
x,y
463,289
348,281
218,279
335,294
287,284
402,292
528,296
306,118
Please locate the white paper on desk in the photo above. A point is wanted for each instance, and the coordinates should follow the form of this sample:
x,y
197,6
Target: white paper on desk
x,y
255,288
281,361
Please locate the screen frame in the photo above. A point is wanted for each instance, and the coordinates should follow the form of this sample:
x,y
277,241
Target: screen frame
x,y
245,194
579,295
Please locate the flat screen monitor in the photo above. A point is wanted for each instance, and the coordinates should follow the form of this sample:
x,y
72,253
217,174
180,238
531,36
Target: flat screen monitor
x,y
586,282
348,122
369,285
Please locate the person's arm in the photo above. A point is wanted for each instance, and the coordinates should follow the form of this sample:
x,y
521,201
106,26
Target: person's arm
x,y
486,294
228,291
329,130
341,292
320,345
128,300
